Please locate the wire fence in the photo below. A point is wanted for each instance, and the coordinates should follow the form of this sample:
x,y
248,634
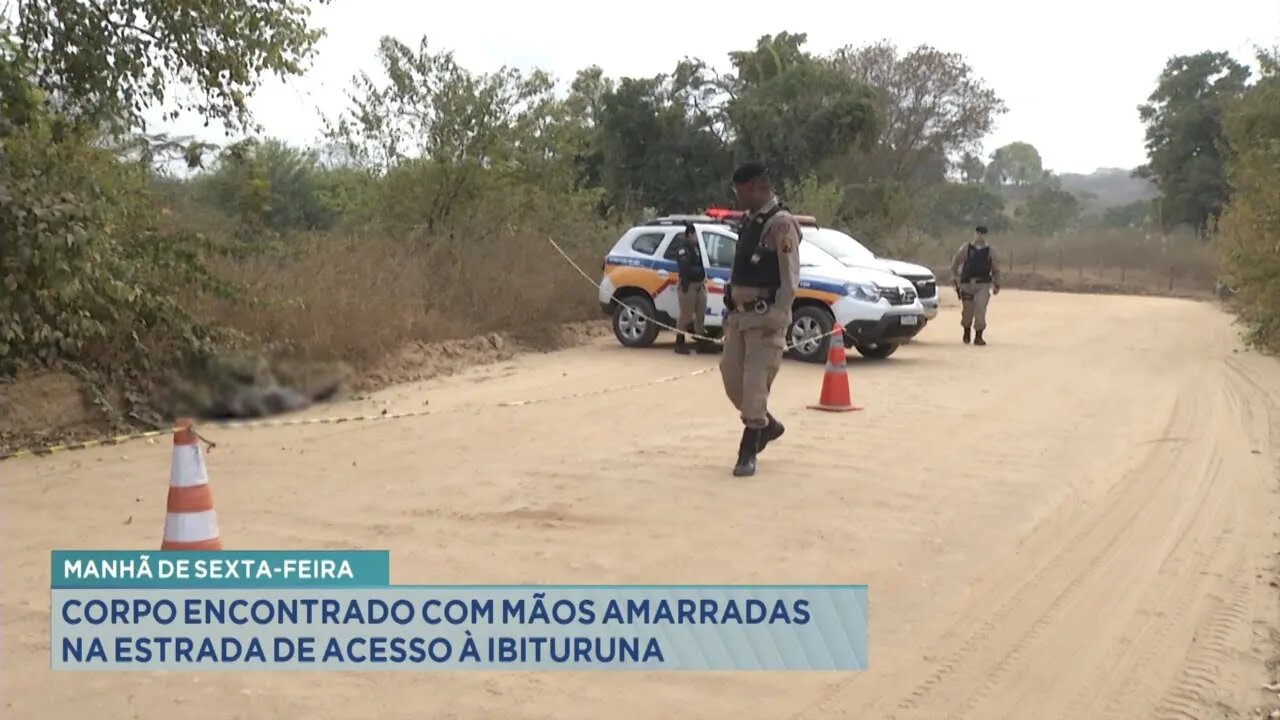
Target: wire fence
x,y
1173,264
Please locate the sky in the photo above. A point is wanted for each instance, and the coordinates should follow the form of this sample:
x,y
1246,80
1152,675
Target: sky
x,y
1072,74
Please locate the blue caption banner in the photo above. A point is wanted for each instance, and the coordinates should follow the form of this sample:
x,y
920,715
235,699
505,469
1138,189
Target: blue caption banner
x,y
215,623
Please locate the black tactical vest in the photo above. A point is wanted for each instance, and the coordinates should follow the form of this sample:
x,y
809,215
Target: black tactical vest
x,y
753,264
977,264
689,263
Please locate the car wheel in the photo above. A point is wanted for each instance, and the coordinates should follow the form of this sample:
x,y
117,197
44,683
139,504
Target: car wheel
x,y
876,351
809,334
631,324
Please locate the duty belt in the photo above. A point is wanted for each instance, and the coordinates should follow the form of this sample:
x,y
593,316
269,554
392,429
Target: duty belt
x,y
759,306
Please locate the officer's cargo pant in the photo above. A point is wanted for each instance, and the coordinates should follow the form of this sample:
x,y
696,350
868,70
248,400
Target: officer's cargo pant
x,y
693,307
974,297
753,348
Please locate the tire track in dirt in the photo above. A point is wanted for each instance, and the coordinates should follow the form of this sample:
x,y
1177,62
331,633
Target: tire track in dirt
x,y
1023,619
952,670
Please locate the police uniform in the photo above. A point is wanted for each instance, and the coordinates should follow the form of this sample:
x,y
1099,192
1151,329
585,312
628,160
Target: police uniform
x,y
762,286
691,293
976,274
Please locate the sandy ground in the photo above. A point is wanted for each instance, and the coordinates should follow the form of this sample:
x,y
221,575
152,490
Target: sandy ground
x,y
1077,521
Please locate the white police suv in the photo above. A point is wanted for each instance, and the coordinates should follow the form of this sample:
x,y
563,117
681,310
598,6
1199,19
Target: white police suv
x,y
878,310
852,253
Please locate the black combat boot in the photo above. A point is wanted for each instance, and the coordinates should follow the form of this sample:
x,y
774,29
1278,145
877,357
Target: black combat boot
x,y
977,339
966,336
681,348
771,432
747,450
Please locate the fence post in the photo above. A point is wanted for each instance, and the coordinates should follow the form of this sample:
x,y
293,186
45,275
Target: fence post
x,y
1011,265
1171,278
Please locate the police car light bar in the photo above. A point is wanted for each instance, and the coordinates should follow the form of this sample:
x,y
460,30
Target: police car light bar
x,y
723,213
726,214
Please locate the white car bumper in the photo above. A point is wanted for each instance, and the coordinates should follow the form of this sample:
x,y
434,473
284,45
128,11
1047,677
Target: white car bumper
x,y
872,323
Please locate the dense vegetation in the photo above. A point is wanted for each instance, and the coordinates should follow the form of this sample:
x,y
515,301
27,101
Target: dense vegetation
x,y
424,211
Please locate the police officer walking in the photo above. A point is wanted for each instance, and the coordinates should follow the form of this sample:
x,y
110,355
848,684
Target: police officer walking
x,y
762,286
692,292
976,275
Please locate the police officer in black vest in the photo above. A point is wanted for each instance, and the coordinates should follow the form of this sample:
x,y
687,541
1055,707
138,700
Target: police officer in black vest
x,y
976,275
762,287
691,292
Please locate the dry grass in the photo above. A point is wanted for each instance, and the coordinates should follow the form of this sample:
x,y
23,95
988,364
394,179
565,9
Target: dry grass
x,y
358,296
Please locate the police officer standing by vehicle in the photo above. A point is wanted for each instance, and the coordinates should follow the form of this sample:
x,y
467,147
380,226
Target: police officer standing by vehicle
x,y
976,275
762,286
692,292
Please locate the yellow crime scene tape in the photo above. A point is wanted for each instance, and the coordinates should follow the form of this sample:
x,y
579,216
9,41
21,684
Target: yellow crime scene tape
x,y
341,419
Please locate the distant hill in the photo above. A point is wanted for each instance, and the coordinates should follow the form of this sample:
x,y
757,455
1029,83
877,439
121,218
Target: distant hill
x,y
1107,187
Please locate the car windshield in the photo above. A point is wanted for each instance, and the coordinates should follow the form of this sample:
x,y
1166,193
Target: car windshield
x,y
837,244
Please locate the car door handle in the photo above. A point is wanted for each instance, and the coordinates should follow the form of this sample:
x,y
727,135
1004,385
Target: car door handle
x,y
663,273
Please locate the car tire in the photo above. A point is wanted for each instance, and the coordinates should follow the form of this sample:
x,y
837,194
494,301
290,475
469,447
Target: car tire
x,y
631,321
810,321
876,351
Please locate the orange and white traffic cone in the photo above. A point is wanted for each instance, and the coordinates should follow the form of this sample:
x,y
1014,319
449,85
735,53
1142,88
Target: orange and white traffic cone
x,y
191,523
835,381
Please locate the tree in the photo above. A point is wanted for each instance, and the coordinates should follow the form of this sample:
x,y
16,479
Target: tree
x,y
823,200
104,63
432,108
272,185
972,169
441,129
931,104
1049,211
654,154
1251,221
794,111
954,206
92,270
1186,146
1018,163
1132,216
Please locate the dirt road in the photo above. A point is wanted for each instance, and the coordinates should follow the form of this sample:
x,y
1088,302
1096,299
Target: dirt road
x,y
1077,521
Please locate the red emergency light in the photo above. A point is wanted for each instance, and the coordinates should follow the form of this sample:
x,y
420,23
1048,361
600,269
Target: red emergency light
x,y
724,213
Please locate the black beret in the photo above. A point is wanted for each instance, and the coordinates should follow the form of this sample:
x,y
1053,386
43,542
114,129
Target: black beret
x,y
981,229
748,172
